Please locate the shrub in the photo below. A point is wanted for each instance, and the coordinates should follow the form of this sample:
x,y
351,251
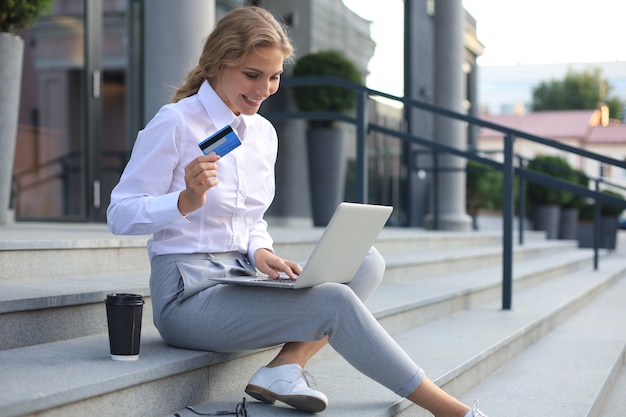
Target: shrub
x,y
575,200
586,210
609,210
483,187
554,166
19,14
325,97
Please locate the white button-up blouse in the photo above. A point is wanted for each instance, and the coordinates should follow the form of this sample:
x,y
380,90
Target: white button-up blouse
x,y
146,199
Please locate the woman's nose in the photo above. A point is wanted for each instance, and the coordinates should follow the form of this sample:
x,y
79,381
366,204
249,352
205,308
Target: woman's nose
x,y
263,89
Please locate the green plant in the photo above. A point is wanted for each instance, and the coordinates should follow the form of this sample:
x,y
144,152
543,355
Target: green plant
x,y
554,166
586,210
574,200
330,98
609,210
483,187
19,14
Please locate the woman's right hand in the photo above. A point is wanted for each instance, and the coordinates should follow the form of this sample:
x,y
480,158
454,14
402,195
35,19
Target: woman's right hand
x,y
268,263
200,176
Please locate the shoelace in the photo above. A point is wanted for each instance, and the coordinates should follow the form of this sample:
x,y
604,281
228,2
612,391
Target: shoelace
x,y
309,379
475,411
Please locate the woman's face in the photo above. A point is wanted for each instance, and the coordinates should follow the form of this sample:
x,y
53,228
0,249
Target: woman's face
x,y
244,88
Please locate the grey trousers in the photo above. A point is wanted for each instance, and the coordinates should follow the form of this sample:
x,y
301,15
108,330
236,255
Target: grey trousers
x,y
193,312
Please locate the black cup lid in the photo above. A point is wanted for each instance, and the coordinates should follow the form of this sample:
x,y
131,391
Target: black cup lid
x,y
125,298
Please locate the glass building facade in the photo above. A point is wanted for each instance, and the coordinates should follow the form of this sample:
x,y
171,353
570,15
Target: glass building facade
x,y
83,100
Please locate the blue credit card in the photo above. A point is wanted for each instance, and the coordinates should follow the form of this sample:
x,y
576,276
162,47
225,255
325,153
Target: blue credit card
x,y
221,142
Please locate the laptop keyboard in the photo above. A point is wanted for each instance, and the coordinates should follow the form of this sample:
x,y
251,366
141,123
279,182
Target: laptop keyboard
x,y
280,279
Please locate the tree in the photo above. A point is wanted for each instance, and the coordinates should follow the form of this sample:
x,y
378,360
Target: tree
x,y
577,91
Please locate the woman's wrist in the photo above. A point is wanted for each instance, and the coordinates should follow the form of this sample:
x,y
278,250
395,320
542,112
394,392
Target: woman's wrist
x,y
183,207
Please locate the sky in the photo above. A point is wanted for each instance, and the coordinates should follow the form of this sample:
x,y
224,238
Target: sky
x,y
513,32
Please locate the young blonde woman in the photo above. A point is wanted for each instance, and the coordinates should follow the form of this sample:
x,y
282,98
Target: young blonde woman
x,y
205,214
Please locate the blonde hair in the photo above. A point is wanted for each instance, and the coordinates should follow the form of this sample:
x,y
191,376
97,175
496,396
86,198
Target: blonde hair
x,y
235,35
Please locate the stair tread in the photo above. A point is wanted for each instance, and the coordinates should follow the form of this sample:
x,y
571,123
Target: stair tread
x,y
405,291
34,235
437,254
98,373
467,336
615,405
32,299
46,376
563,372
56,373
37,236
36,293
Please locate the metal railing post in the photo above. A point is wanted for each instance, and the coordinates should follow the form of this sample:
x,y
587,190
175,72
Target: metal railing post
x,y
597,224
361,139
435,185
507,224
521,202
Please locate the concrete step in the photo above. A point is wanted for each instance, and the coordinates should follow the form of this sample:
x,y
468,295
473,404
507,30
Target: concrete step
x,y
432,262
576,370
44,309
75,377
38,250
65,369
460,351
401,305
615,405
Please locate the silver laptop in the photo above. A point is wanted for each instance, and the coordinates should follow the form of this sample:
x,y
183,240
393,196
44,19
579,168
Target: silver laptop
x,y
346,240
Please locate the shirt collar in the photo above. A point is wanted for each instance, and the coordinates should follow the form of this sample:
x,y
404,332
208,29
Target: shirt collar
x,y
218,111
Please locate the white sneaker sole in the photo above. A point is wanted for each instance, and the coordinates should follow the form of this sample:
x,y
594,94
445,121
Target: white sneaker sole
x,y
299,402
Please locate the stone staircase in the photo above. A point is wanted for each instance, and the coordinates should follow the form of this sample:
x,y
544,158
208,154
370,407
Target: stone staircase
x,y
560,351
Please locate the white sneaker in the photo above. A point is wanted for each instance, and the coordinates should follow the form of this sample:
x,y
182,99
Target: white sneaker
x,y
475,412
288,384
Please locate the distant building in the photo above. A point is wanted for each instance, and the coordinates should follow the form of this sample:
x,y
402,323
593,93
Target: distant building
x,y
508,89
578,128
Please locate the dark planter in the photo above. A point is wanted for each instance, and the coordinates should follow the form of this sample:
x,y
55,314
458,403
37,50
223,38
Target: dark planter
x,y
585,235
610,226
568,223
546,217
327,171
608,233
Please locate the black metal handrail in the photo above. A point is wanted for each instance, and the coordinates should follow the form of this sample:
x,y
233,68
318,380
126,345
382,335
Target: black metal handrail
x,y
507,167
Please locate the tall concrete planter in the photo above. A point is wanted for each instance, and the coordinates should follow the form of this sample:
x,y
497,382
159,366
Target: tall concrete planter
x,y
568,223
607,233
11,58
327,171
547,217
610,227
325,139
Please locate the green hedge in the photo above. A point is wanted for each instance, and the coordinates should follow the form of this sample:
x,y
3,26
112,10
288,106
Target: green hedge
x,y
554,166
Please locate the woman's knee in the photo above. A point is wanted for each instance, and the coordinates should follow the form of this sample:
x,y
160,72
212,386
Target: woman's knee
x,y
375,263
369,275
331,295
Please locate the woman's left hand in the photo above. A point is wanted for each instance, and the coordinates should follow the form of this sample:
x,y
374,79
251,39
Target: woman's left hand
x,y
268,263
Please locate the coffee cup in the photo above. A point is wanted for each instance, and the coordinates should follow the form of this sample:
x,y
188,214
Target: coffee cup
x,y
124,313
